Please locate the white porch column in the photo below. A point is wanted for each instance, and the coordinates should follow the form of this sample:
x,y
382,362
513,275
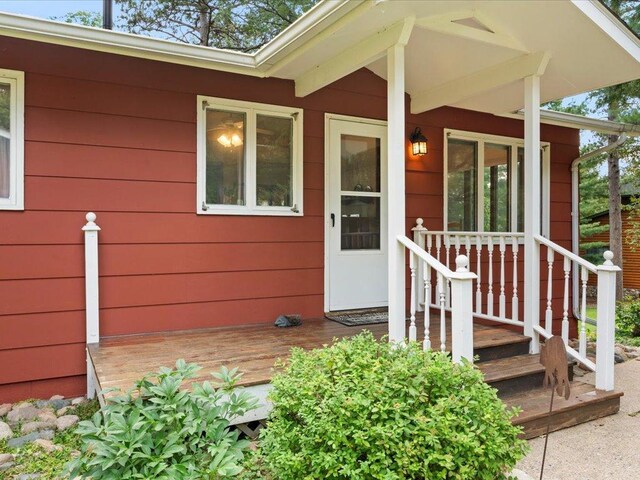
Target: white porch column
x,y
532,208
395,191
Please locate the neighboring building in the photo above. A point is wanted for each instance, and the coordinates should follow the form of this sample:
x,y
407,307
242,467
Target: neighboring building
x,y
230,188
630,251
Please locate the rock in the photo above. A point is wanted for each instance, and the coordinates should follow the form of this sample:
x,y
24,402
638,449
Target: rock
x,y
56,397
63,411
618,358
5,431
23,413
47,416
6,458
5,408
78,401
634,354
30,427
20,441
6,466
27,476
578,372
47,445
67,421
74,453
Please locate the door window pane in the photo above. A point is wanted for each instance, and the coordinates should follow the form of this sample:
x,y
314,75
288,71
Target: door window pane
x,y
360,171
274,161
5,139
360,223
497,191
225,157
462,167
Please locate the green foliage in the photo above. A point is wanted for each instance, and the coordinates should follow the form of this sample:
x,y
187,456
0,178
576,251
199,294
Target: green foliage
x,y
5,107
160,430
628,319
366,409
82,17
232,24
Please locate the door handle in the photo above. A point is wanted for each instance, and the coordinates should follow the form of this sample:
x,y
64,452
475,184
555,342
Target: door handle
x,y
333,219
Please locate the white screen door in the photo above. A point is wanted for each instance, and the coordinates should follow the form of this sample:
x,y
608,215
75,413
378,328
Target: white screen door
x,y
357,215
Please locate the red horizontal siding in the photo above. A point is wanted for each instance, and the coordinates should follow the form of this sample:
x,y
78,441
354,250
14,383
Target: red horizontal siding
x,y
117,135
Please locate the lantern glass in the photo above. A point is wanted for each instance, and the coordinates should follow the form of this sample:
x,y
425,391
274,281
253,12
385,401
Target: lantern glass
x,y
418,142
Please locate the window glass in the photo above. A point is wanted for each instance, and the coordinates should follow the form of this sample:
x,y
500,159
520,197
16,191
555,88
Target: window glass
x,y
360,223
497,191
225,152
360,163
274,161
462,168
5,140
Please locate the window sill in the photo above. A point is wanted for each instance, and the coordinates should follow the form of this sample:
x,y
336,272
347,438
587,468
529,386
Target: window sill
x,y
255,212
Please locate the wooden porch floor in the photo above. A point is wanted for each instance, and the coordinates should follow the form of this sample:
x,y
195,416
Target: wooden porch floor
x,y
120,361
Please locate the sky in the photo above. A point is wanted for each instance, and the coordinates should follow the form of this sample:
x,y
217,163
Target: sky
x,y
51,8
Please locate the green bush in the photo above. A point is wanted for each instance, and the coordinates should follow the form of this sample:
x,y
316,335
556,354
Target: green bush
x,y
628,319
160,430
363,409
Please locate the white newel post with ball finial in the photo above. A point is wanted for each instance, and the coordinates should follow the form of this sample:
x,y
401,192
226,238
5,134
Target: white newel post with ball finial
x,y
92,304
462,311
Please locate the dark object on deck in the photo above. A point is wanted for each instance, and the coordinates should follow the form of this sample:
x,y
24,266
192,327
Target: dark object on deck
x,y
291,320
553,355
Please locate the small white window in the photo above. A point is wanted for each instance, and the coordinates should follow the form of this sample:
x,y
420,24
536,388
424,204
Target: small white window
x,y
11,140
484,183
249,158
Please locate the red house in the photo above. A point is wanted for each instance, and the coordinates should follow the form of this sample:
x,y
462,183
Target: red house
x,y
229,188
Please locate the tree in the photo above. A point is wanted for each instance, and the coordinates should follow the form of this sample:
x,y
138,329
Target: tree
x,y
620,103
232,24
83,17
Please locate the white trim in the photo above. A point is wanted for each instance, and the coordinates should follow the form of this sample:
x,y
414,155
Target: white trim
x,y
446,23
251,110
15,80
515,143
492,77
570,120
327,192
348,61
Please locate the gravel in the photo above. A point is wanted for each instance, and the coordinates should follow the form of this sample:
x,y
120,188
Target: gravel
x,y
606,448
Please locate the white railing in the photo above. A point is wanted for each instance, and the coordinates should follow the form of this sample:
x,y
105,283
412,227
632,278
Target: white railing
x,y
494,260
452,288
606,308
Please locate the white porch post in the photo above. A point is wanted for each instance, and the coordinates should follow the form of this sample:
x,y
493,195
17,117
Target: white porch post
x,y
395,189
606,315
532,208
91,293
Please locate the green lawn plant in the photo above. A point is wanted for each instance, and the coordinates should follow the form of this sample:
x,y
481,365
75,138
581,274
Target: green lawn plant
x,y
628,322
162,430
366,409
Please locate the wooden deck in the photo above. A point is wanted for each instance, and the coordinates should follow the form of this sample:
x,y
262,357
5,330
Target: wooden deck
x,y
120,361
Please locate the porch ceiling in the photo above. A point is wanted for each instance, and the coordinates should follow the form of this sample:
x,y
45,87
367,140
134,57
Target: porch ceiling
x,y
456,43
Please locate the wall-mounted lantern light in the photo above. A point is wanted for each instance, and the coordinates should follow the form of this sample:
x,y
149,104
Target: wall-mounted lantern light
x,y
418,142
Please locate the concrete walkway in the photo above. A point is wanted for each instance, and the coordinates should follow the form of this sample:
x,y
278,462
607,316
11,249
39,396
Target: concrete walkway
x,y
607,448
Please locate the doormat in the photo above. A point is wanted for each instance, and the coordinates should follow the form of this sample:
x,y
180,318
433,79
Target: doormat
x,y
354,318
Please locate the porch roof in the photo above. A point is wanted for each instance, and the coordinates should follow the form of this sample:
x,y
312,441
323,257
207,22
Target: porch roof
x,y
464,53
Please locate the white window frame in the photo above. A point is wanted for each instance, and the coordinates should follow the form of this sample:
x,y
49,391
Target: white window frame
x,y
15,80
251,110
514,143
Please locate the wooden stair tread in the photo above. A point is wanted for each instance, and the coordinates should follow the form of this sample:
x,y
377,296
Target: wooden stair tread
x,y
510,367
584,404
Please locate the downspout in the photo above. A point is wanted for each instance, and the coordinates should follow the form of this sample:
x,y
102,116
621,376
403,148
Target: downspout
x,y
575,213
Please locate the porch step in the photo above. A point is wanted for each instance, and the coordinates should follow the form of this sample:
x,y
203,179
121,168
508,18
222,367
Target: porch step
x,y
585,404
515,374
495,345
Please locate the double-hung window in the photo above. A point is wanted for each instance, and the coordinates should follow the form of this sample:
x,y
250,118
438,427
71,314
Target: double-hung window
x,y
249,158
11,140
485,184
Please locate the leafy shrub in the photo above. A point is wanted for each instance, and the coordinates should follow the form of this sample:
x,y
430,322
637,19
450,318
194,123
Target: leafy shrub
x,y
366,409
628,319
162,431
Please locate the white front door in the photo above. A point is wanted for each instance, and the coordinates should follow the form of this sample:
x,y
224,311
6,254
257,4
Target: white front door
x,y
357,214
